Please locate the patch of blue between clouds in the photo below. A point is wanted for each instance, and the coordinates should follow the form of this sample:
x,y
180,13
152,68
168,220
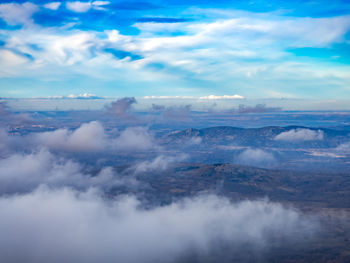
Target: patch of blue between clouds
x,y
121,54
336,53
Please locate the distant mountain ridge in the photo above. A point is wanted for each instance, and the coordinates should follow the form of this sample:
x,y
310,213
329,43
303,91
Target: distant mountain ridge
x,y
265,136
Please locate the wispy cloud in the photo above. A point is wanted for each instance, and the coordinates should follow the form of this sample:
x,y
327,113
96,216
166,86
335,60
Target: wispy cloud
x,y
82,7
247,52
53,5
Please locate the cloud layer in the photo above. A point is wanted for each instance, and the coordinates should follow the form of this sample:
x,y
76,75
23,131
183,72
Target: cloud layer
x,y
69,226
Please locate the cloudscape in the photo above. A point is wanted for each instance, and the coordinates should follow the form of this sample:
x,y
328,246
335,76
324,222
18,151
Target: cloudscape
x,y
175,131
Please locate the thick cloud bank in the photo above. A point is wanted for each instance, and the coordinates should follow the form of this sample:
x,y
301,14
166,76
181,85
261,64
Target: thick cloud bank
x,y
88,137
21,173
300,135
92,137
68,226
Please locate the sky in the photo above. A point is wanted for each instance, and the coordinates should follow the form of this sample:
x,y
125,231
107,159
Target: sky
x,y
189,49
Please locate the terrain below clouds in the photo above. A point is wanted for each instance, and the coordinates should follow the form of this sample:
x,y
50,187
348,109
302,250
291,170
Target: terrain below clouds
x,y
119,186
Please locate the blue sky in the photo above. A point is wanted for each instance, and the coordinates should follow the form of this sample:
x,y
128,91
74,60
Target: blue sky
x,y
254,49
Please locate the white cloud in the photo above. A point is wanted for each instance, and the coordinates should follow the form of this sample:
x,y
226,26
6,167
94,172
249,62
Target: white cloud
x,y
88,137
91,137
300,135
82,7
134,139
53,5
343,147
188,58
159,163
299,31
215,97
12,61
34,169
99,5
18,14
44,168
79,7
68,226
56,49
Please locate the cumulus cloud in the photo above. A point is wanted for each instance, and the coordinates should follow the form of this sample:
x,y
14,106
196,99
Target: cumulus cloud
x,y
300,135
121,107
23,172
256,157
88,137
68,226
134,138
79,7
18,14
92,137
